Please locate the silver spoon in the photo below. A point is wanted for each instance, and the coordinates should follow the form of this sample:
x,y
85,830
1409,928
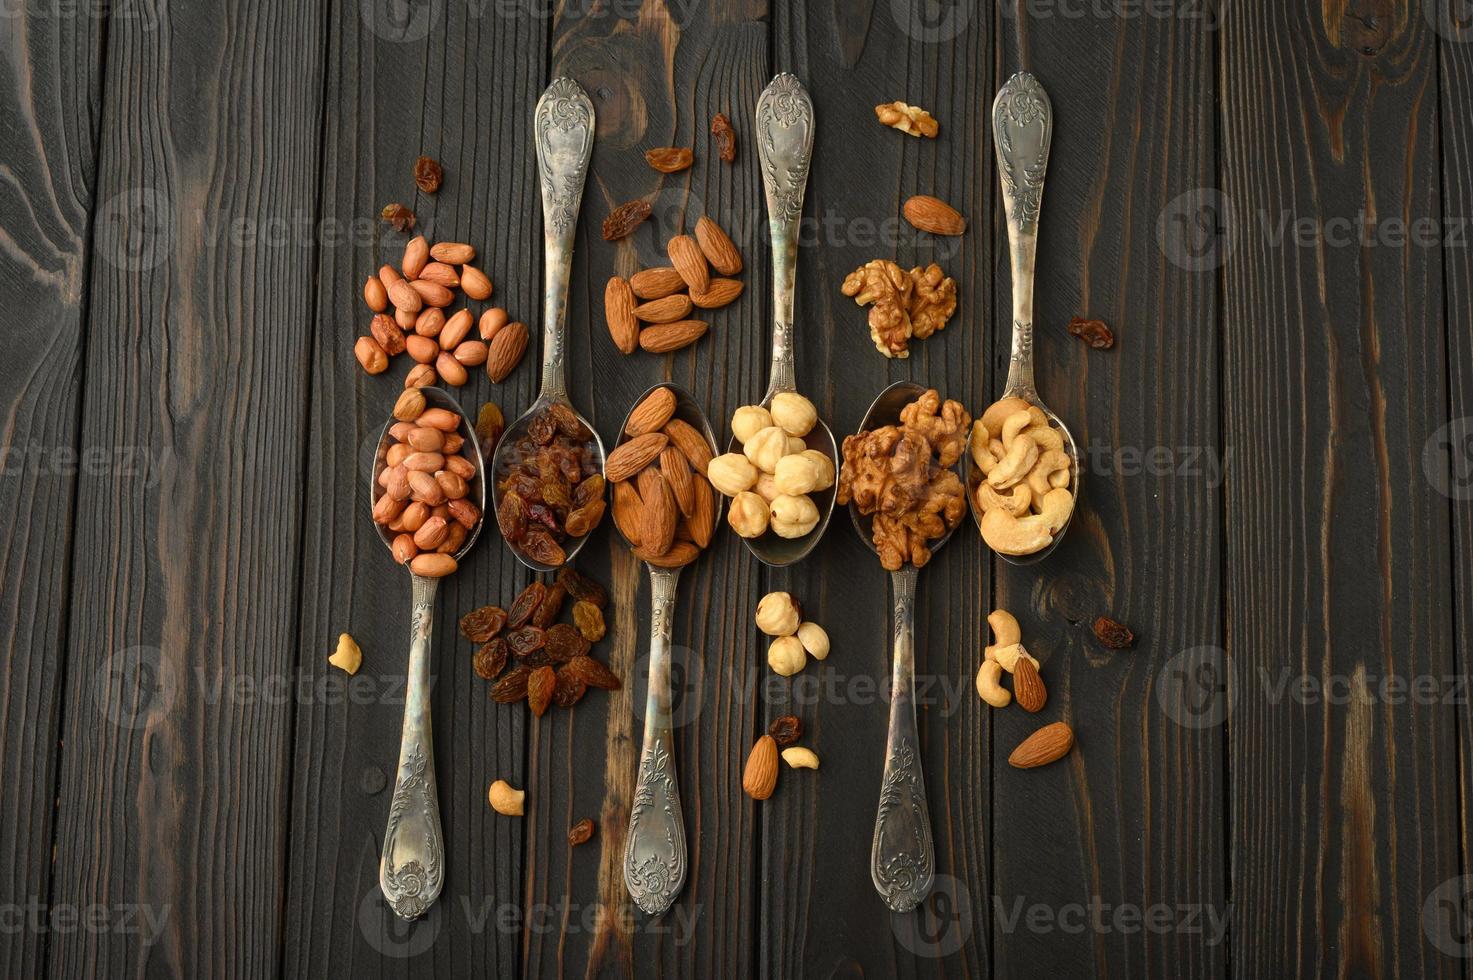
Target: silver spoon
x,y
785,147
563,124
902,856
1022,127
411,869
654,853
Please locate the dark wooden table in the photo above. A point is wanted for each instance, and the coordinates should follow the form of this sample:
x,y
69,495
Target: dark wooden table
x,y
1268,201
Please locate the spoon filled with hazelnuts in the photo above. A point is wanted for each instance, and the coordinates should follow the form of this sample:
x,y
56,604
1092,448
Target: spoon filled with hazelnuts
x,y
783,497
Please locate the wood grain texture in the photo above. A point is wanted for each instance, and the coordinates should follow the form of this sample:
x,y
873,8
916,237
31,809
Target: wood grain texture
x,y
824,916
1134,820
172,792
460,88
50,113
1345,813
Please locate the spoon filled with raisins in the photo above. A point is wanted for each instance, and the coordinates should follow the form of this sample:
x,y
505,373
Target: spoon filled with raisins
x,y
547,486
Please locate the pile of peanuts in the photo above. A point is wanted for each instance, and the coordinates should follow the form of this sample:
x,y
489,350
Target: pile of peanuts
x,y
424,483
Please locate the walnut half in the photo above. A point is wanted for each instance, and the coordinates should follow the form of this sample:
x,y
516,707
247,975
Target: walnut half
x,y
902,304
910,119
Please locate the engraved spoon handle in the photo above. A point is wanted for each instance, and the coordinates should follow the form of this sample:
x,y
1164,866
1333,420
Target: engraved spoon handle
x,y
654,854
412,867
563,125
1022,127
902,857
784,148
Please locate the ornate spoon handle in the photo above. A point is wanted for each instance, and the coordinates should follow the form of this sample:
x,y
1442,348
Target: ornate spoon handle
x,y
412,868
563,126
902,857
654,855
784,149
1022,127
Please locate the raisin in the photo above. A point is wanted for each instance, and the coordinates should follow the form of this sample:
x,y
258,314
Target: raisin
x,y
398,216
567,421
590,620
539,690
725,137
512,687
1092,332
670,159
584,519
528,639
541,429
555,488
526,604
550,606
545,516
625,218
580,586
540,547
490,423
564,643
593,673
1116,636
511,516
581,832
490,659
479,625
569,690
589,489
428,174
785,730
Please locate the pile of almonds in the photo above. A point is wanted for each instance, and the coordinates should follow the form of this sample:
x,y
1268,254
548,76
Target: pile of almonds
x,y
424,481
663,503
652,308
419,292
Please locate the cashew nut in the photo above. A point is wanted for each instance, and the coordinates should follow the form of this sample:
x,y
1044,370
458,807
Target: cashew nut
x,y
1059,478
1049,463
1000,410
1017,503
1005,628
348,657
1046,436
981,449
1014,424
1021,456
1007,657
1009,535
505,800
1054,509
989,686
797,757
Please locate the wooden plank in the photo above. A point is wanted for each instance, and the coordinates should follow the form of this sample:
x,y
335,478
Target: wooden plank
x,y
823,915
460,89
1135,820
173,788
656,78
1345,811
50,111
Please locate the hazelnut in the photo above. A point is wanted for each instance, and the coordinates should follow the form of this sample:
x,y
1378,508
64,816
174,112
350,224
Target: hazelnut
x,y
748,515
793,517
748,421
777,614
814,640
765,448
797,474
796,446
731,473
786,656
825,466
766,487
794,413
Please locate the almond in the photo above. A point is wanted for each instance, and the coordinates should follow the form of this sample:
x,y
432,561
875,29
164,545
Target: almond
x,y
718,248
651,414
441,273
1028,686
719,293
760,777
506,350
619,312
1049,744
629,458
416,254
475,283
452,253
655,283
686,257
689,441
657,517
676,470
626,510
934,215
702,519
680,553
665,337
375,295
667,309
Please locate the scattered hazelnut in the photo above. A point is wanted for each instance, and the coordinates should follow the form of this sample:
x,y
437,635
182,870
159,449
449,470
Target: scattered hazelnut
x,y
731,473
748,421
505,800
797,474
798,757
765,448
814,639
786,656
348,657
794,413
777,614
793,517
748,515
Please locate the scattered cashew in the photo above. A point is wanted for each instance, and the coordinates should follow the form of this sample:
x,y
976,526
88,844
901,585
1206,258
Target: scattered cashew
x,y
1009,535
1005,628
798,757
1021,456
505,800
1049,462
1054,509
347,657
1015,503
1007,657
989,687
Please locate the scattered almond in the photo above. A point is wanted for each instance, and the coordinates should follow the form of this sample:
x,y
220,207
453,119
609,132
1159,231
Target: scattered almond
x,y
665,337
719,293
1049,744
667,309
934,215
688,260
1028,686
619,313
760,777
506,351
717,247
657,282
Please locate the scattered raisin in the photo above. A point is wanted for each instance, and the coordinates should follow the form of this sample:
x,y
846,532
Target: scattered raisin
x,y
1092,332
564,643
590,620
550,606
526,604
490,424
479,625
398,216
581,832
528,639
785,730
513,685
625,218
725,137
582,587
593,673
569,690
1116,636
490,659
539,689
670,159
428,174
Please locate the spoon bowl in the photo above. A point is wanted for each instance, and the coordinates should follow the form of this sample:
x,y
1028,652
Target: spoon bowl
x,y
974,479
688,410
772,549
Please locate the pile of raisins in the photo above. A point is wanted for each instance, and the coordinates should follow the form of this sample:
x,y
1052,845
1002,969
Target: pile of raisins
x,y
551,662
550,487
